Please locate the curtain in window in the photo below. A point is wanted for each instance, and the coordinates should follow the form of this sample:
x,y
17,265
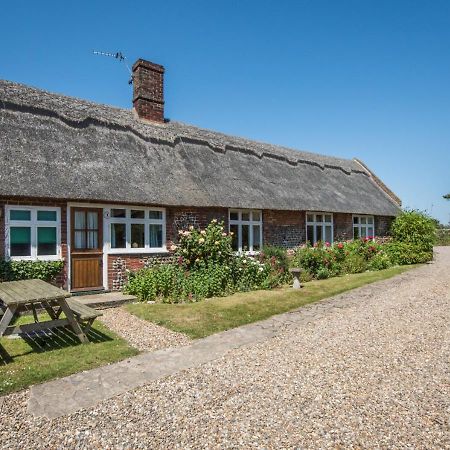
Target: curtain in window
x,y
155,237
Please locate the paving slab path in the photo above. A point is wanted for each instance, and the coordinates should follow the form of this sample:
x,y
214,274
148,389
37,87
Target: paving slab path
x,y
366,369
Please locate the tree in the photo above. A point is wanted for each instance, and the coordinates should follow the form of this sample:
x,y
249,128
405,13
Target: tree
x,y
447,196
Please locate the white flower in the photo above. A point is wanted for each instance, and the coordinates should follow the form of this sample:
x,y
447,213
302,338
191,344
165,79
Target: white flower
x,y
203,232
201,240
261,269
173,247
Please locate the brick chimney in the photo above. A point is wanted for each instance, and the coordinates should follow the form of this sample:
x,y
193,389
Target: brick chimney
x,y
148,90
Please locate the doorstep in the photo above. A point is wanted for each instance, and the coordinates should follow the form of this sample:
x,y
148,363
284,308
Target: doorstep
x,y
105,299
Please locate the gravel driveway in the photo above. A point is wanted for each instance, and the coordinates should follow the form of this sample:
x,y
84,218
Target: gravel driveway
x,y
374,373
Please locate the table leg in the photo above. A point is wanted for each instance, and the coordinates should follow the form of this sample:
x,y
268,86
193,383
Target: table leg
x,y
7,317
50,311
72,321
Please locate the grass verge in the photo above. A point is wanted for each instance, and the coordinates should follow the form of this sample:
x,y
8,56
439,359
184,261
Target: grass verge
x,y
213,315
35,360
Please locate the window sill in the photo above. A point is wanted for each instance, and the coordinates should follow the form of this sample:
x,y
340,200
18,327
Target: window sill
x,y
40,258
136,251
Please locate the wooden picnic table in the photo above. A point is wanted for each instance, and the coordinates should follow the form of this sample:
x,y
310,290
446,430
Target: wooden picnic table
x,y
18,296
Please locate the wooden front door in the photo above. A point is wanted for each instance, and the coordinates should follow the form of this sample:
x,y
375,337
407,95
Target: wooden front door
x,y
86,249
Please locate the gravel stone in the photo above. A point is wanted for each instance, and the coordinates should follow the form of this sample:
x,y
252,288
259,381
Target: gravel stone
x,y
373,373
143,335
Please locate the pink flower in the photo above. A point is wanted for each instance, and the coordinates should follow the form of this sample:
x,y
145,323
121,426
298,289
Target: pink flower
x,y
327,244
340,245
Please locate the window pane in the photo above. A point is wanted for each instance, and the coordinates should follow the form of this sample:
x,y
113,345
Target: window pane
x,y
356,220
80,220
20,241
256,216
328,234
370,220
155,215
92,220
137,214
234,237
92,239
310,217
118,213
80,239
256,237
370,232
363,232
138,235
319,218
118,235
319,233
49,216
155,239
245,237
46,241
17,214
363,220
245,216
328,218
234,215
355,233
310,234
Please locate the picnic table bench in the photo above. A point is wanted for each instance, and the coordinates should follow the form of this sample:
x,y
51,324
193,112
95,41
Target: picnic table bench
x,y
19,296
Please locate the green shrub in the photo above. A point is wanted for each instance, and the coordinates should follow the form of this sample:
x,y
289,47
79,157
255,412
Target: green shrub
x,y
323,274
354,263
212,244
314,259
402,253
25,270
416,228
278,259
380,261
172,283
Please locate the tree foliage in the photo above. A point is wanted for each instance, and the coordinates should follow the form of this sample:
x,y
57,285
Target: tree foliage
x,y
416,228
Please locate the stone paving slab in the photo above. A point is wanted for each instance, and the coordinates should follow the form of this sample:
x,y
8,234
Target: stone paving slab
x,y
105,299
86,389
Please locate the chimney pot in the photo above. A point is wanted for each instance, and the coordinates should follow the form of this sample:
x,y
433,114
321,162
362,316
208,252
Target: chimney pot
x,y
148,90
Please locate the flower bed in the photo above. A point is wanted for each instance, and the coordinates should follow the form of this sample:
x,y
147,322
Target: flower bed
x,y
207,267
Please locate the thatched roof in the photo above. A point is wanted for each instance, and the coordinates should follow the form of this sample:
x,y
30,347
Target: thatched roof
x,y
55,146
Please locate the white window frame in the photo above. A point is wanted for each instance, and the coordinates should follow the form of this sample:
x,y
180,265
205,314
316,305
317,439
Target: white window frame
x,y
323,224
33,224
128,221
360,225
239,222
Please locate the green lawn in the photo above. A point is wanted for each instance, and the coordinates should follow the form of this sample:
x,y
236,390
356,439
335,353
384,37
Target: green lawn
x,y
33,361
210,316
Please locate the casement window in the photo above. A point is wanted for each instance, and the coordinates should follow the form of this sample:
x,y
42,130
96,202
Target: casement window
x,y
32,233
246,226
135,230
363,227
319,227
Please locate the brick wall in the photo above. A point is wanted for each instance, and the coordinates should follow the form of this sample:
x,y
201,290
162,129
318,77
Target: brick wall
x,y
343,226
383,225
181,218
284,228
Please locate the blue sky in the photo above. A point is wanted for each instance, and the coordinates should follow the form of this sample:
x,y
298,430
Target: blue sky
x,y
348,78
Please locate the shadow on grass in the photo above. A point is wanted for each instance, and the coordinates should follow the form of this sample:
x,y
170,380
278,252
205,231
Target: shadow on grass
x,y
49,340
